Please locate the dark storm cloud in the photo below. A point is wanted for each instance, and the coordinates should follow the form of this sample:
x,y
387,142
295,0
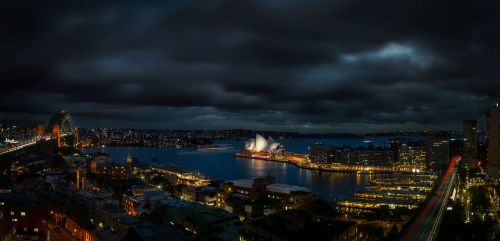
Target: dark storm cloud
x,y
308,66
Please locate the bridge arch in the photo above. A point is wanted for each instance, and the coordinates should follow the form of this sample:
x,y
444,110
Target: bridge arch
x,y
63,121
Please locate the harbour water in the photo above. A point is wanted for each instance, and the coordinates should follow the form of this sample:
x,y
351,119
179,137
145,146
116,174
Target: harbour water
x,y
222,165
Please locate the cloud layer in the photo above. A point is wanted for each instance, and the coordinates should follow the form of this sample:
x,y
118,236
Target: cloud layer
x,y
307,66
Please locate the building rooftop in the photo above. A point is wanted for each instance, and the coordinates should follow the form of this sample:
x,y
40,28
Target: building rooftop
x,y
295,225
275,187
152,232
285,188
246,183
19,198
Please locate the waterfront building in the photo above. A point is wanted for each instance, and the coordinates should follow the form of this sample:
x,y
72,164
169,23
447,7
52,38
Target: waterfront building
x,y
389,191
177,176
408,195
422,187
366,205
261,196
321,153
412,158
470,144
493,133
404,179
438,152
348,156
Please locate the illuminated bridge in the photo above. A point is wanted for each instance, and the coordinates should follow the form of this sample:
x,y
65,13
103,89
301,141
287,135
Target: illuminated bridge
x,y
61,128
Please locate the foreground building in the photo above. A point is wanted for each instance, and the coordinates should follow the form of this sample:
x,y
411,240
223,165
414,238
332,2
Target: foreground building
x,y
438,152
202,221
154,232
22,217
295,225
261,196
470,143
493,141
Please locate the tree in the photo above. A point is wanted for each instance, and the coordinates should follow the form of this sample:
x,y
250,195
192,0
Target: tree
x,y
373,233
480,202
393,234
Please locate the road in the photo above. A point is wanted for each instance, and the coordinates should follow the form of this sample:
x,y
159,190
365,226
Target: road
x,y
17,147
426,226
25,144
60,235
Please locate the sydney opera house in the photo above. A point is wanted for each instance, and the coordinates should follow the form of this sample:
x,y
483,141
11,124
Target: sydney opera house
x,y
260,144
261,148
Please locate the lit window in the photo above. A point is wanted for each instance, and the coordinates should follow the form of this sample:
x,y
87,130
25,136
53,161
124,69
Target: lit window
x,y
23,213
25,229
36,230
14,220
11,213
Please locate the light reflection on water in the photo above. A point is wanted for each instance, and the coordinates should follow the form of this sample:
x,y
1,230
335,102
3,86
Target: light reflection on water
x,y
222,165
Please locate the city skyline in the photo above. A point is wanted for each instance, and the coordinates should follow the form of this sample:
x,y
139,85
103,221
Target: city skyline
x,y
251,120
315,67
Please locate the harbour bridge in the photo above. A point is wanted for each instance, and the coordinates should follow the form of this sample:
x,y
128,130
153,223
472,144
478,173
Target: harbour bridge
x,y
61,129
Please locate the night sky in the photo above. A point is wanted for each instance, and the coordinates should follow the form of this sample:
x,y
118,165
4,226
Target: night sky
x,y
305,66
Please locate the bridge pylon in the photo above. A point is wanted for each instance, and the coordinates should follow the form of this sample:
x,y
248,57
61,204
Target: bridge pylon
x,y
56,133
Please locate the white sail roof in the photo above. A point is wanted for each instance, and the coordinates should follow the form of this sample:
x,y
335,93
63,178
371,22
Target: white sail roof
x,y
260,144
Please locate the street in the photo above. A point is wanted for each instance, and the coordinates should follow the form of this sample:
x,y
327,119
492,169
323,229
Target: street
x,y
426,226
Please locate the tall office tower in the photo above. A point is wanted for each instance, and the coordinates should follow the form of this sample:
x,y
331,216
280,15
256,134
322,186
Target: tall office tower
x,y
438,152
493,140
412,157
470,143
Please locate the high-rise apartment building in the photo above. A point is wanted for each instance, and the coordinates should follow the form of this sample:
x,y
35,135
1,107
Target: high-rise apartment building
x,y
493,117
411,158
438,152
470,144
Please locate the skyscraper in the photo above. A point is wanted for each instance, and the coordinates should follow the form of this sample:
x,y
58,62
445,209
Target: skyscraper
x,y
470,143
493,140
438,152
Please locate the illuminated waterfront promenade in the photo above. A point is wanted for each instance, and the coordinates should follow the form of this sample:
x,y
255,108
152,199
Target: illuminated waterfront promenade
x,y
270,150
303,161
187,178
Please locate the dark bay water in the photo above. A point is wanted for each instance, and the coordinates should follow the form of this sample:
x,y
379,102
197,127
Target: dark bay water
x,y
223,165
